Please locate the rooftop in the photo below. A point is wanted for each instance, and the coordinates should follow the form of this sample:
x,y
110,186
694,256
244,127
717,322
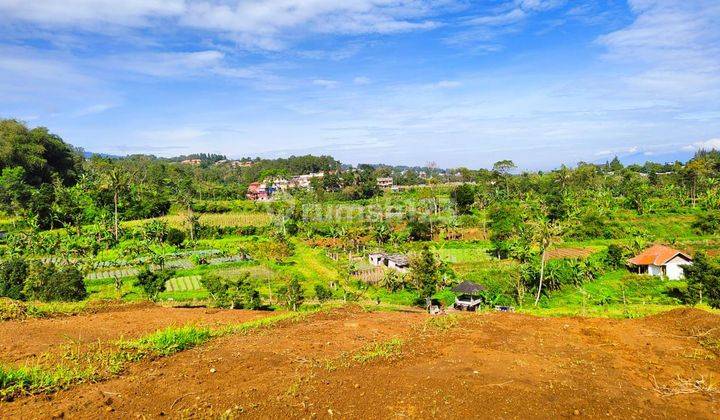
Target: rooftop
x,y
657,255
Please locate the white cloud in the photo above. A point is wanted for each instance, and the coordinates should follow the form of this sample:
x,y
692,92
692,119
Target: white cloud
x,y
329,84
90,12
264,24
168,64
711,144
93,109
506,18
675,45
362,80
447,84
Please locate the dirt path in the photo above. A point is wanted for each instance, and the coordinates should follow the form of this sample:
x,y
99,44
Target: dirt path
x,y
20,340
489,365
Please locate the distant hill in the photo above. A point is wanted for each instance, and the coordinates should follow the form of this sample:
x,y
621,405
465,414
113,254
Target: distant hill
x,y
88,155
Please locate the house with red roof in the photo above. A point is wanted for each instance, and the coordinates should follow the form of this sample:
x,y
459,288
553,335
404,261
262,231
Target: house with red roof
x,y
662,261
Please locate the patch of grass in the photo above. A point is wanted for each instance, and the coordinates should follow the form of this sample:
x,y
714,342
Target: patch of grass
x,y
170,340
387,350
600,311
76,367
441,323
25,380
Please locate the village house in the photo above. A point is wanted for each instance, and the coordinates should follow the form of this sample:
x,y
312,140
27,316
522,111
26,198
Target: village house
x,y
384,183
191,162
258,192
303,181
397,262
661,261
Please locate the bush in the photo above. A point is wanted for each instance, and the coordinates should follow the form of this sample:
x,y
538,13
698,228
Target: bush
x,y
12,309
615,257
292,294
153,282
322,293
48,283
703,279
175,237
419,229
232,293
464,197
13,273
707,223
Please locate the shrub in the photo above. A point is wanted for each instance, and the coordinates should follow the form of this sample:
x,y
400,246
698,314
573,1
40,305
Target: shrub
x,y
708,222
153,282
419,229
247,230
12,309
48,283
703,279
322,293
13,273
292,294
175,237
232,293
593,225
464,197
615,256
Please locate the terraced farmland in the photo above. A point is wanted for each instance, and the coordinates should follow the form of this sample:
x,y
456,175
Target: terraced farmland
x,y
184,284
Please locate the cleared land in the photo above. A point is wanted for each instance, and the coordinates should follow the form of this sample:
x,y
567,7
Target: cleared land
x,y
350,363
22,340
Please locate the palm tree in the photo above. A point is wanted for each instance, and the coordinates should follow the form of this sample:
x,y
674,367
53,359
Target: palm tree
x,y
116,181
545,233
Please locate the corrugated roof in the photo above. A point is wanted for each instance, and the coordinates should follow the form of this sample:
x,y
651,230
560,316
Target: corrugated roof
x,y
657,255
468,287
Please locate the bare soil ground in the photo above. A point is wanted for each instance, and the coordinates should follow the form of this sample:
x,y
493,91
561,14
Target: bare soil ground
x,y
486,365
25,339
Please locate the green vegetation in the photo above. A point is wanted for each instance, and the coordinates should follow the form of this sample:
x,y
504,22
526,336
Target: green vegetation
x,y
141,227
389,349
170,340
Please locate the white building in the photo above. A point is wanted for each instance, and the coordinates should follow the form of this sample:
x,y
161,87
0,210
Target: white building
x,y
397,262
385,182
662,261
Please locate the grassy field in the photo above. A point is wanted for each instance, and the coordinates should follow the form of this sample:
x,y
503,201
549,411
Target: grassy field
x,y
233,219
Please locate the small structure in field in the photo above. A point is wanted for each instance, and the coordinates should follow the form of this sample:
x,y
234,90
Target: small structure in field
x,y
661,261
469,298
397,262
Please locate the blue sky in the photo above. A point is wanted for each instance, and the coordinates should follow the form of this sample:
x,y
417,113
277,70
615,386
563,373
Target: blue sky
x,y
457,82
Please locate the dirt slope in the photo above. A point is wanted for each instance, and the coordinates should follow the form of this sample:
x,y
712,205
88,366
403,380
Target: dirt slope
x,y
21,340
488,365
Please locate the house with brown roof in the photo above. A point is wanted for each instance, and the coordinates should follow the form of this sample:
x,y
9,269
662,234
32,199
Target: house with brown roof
x,y
662,261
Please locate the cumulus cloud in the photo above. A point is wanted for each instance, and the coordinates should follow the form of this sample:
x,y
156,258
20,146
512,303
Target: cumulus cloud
x,y
264,24
90,13
676,43
711,144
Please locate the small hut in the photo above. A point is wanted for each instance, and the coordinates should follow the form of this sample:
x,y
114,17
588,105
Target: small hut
x,y
469,297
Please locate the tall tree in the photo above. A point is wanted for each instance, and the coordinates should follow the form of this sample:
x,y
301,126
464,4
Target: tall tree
x,y
116,181
544,232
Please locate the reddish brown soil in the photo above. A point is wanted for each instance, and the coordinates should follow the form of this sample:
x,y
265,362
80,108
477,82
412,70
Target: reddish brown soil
x,y
24,339
488,365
